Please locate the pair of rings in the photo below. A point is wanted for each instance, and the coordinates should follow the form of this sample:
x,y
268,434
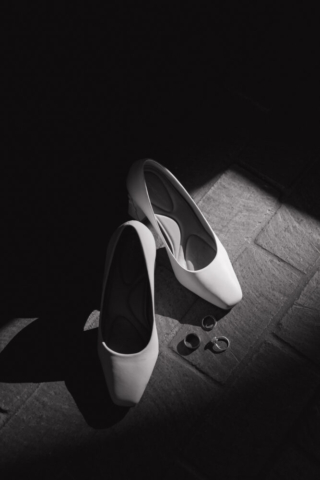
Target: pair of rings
x,y
219,344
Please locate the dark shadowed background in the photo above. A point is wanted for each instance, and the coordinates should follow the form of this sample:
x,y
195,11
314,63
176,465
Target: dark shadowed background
x,y
89,92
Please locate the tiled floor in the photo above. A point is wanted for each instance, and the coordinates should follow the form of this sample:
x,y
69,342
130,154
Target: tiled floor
x,y
251,412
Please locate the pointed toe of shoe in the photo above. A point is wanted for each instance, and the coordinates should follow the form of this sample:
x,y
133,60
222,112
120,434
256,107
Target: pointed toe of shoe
x,y
224,284
231,295
128,376
223,291
217,283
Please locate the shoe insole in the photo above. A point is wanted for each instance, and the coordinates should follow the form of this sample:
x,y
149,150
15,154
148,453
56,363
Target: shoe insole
x,y
192,246
127,315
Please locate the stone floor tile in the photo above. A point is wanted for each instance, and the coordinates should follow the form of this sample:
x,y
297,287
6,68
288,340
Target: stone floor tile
x,y
307,432
266,284
46,432
294,465
294,232
175,398
237,207
301,328
310,296
13,394
301,324
10,329
277,162
199,309
92,321
241,434
289,237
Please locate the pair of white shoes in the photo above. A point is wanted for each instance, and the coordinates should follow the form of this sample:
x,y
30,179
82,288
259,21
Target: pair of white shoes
x,y
127,340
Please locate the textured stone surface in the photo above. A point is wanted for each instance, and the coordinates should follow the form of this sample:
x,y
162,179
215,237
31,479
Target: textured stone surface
x,y
294,232
266,283
174,399
13,395
150,435
289,237
237,207
10,329
275,161
244,430
294,465
92,320
310,297
46,433
308,428
301,328
301,325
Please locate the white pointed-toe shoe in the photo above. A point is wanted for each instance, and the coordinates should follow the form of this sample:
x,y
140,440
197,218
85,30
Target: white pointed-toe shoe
x,y
199,260
128,344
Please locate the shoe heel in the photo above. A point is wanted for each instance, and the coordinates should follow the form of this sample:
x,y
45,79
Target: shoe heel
x,y
134,211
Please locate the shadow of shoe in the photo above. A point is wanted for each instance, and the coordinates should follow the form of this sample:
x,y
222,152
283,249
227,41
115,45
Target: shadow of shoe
x,y
29,357
42,353
87,385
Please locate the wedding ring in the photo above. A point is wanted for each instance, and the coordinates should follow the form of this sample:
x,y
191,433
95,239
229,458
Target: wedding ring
x,y
192,341
208,322
220,344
